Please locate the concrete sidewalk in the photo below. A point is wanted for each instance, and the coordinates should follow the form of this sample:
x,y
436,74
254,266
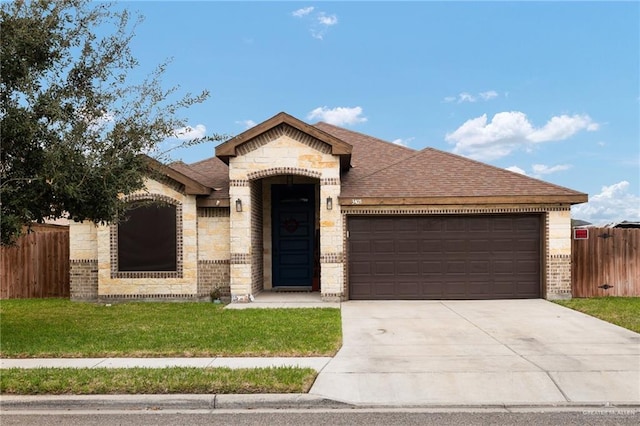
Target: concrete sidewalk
x,y
317,363
513,353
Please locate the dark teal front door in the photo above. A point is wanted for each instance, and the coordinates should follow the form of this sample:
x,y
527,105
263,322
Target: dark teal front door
x,y
293,224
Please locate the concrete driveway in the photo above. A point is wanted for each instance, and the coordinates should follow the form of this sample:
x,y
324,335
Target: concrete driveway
x,y
480,352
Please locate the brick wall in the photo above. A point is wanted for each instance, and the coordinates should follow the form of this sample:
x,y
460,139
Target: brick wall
x,y
213,273
257,271
559,276
84,279
558,254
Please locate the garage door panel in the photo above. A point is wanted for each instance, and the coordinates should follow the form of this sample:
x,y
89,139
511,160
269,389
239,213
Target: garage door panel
x,y
430,246
457,245
360,268
444,257
407,267
456,267
478,267
383,247
409,246
383,226
431,267
455,224
525,267
384,268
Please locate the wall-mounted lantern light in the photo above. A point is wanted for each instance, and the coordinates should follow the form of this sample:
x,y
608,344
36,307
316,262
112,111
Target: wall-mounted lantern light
x,y
238,205
329,203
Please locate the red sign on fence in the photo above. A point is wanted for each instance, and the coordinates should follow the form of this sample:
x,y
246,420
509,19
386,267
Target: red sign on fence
x,y
580,233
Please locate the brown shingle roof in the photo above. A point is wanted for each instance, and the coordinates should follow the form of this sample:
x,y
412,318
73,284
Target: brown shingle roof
x,y
212,172
440,177
369,154
386,173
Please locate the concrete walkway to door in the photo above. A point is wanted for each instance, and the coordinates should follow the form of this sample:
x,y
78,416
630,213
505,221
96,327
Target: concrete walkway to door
x,y
529,352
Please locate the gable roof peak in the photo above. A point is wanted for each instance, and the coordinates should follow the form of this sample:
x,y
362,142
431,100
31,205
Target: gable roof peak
x,y
229,148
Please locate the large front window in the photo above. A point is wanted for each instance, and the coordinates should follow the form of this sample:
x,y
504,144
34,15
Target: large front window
x,y
147,239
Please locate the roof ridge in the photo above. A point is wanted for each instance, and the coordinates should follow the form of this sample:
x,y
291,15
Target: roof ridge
x,y
364,134
200,161
188,166
415,152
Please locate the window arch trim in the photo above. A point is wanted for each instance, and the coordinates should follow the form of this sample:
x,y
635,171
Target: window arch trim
x,y
178,273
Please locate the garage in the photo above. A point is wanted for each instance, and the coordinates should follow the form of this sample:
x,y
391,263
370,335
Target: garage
x,y
444,257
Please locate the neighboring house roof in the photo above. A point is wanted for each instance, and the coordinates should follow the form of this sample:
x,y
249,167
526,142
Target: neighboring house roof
x,y
385,173
625,224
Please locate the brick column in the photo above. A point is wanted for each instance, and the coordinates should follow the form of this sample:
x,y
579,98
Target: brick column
x,y
558,255
240,238
331,242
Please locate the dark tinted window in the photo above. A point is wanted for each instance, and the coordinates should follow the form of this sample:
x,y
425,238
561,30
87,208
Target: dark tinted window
x,y
147,239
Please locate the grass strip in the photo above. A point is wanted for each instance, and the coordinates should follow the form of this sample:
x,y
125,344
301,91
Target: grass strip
x,y
50,328
186,380
622,311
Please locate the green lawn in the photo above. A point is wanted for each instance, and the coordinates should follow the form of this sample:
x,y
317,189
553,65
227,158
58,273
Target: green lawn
x,y
622,311
60,328
70,381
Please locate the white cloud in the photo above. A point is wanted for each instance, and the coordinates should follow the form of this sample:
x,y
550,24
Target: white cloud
x,y
247,123
516,169
466,97
327,20
302,12
402,142
613,204
338,116
562,127
186,133
319,21
541,169
508,131
471,98
490,94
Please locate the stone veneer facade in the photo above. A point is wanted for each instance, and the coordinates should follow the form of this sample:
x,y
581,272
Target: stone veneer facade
x,y
231,250
279,152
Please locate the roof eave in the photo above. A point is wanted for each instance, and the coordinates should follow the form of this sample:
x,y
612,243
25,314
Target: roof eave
x,y
191,186
482,200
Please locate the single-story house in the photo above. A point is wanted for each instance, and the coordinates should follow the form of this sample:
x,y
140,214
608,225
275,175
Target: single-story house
x,y
290,206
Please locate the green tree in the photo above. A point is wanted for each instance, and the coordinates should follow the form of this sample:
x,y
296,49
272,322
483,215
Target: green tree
x,y
73,124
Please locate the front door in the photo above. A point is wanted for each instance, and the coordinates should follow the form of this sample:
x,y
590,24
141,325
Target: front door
x,y
293,224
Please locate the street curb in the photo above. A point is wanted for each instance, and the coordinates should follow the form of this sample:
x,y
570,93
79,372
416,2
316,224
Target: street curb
x,y
187,402
164,402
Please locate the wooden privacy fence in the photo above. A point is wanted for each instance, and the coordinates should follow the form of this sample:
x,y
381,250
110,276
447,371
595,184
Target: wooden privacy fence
x,y
607,263
37,266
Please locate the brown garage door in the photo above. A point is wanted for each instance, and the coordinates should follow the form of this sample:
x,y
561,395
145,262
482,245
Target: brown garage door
x,y
444,257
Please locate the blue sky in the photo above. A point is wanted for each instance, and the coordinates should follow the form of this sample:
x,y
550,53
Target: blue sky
x,y
549,89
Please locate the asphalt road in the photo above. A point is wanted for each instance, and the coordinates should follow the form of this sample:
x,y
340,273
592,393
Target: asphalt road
x,y
369,417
